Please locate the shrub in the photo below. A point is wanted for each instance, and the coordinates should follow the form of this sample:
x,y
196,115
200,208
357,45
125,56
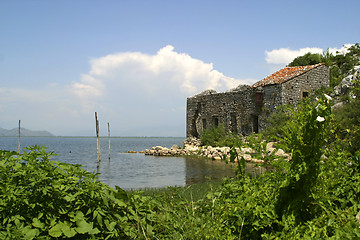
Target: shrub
x,y
44,199
218,137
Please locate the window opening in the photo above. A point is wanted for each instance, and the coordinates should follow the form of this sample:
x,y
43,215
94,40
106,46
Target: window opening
x,y
233,123
216,121
259,97
256,123
204,123
305,94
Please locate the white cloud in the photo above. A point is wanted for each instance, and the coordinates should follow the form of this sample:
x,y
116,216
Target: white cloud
x,y
286,55
342,50
139,94
142,93
166,73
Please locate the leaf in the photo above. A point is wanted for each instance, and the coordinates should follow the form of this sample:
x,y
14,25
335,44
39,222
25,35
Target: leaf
x,y
79,216
37,223
67,230
69,198
110,226
31,233
84,227
55,231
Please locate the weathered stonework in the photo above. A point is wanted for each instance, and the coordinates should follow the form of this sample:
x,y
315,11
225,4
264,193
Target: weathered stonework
x,y
243,110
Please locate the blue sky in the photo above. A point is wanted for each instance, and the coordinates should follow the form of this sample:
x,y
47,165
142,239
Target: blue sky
x,y
136,62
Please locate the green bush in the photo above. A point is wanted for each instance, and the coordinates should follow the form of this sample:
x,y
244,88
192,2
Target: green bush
x,y
348,119
307,59
44,199
218,137
277,122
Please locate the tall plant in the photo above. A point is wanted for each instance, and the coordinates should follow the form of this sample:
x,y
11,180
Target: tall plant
x,y
304,139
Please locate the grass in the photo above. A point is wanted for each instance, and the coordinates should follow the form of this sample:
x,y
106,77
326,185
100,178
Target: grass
x,y
192,192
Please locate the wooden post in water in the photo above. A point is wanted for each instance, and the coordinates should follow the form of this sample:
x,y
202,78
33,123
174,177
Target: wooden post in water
x,y
109,140
19,138
97,141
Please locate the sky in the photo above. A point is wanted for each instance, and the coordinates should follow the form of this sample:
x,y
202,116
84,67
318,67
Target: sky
x,y
136,62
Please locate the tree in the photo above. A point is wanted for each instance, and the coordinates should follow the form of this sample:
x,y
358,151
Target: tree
x,y
307,59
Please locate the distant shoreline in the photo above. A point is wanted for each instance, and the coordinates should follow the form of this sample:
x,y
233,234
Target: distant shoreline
x,y
90,137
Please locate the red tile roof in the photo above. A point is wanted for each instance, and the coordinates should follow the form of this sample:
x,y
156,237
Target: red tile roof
x,y
285,75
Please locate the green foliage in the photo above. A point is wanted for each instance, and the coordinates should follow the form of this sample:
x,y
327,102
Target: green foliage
x,y
218,137
348,118
316,195
304,139
277,122
339,64
307,59
43,199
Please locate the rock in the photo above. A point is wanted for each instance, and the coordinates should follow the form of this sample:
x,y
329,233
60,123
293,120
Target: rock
x,y
269,145
280,153
247,157
218,158
346,83
157,148
257,161
270,150
247,150
239,88
131,151
192,141
337,106
203,93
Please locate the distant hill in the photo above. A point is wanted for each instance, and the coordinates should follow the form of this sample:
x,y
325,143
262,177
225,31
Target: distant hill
x,y
24,133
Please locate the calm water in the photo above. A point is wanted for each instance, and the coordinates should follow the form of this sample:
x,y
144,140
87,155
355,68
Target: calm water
x,y
127,170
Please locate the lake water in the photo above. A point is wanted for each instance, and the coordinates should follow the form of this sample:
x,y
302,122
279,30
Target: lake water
x,y
128,170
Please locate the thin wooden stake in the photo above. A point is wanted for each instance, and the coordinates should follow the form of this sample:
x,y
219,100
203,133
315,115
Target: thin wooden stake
x,y
97,142
109,140
19,138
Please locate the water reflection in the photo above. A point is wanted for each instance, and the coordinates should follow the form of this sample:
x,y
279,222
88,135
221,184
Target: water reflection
x,y
128,170
201,170
254,169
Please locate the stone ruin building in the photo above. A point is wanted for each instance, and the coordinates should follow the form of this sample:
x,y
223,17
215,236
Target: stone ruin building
x,y
244,109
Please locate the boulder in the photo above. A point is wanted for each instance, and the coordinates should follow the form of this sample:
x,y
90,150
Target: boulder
x,y
270,145
157,148
270,150
257,161
218,158
282,153
247,157
247,150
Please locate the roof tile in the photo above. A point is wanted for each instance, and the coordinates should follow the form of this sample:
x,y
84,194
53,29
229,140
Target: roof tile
x,y
285,75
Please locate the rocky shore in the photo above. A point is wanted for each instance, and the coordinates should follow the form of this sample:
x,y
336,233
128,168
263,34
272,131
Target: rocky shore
x,y
192,146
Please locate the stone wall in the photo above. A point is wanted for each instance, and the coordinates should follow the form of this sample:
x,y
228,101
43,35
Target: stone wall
x,y
209,109
244,110
294,90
